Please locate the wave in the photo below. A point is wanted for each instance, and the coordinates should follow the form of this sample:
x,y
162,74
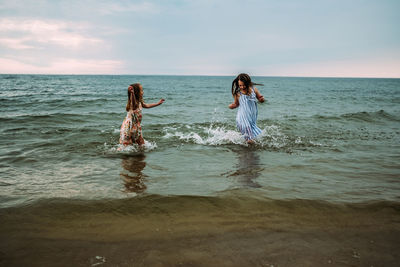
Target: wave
x,y
83,116
225,201
363,116
289,134
9,76
54,118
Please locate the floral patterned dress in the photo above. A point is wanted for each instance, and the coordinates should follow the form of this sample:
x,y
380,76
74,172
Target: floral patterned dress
x,y
131,130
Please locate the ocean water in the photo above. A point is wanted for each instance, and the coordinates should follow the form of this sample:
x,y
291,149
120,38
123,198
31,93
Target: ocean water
x,y
323,139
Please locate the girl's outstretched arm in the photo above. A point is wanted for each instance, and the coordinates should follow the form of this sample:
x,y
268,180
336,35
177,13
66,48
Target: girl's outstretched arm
x,y
259,96
152,105
235,103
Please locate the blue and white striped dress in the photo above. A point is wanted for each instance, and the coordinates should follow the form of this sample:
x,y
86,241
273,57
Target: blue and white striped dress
x,y
246,118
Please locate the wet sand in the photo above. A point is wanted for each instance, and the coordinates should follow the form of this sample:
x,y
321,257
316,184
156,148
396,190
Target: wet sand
x,y
200,231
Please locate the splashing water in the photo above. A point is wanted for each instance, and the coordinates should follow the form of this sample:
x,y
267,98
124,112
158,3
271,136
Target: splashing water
x,y
147,147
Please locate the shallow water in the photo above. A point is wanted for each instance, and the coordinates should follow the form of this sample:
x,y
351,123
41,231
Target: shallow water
x,y
323,139
237,228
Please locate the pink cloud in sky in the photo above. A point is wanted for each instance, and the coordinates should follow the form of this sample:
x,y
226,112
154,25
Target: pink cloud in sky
x,y
52,47
34,33
62,66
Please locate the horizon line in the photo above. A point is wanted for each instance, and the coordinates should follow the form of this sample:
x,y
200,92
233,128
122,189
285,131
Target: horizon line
x,y
201,75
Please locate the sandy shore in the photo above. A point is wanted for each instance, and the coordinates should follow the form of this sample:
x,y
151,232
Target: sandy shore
x,y
201,232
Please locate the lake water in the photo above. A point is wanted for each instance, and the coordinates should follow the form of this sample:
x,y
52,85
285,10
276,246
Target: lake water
x,y
323,139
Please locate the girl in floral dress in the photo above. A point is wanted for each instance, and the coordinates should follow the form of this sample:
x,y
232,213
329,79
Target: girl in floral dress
x,y
131,130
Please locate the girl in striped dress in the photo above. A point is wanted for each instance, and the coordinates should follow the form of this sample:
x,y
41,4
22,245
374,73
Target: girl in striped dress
x,y
245,97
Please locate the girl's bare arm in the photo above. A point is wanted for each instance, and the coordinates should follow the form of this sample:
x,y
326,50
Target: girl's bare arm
x,y
259,96
235,103
152,105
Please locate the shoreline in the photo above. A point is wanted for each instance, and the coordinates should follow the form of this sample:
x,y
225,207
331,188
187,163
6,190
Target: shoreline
x,y
200,231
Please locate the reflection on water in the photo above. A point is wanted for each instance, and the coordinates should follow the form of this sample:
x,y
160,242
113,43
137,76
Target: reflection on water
x,y
248,167
132,174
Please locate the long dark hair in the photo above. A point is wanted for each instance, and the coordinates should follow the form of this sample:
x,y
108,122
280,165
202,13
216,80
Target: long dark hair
x,y
135,98
245,78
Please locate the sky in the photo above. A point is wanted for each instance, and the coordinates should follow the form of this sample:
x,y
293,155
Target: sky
x,y
325,38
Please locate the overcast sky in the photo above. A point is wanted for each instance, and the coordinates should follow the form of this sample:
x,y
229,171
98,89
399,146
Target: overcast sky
x,y
345,38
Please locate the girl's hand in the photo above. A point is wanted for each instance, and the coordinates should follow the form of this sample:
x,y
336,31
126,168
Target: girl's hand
x,y
232,106
235,103
153,104
259,96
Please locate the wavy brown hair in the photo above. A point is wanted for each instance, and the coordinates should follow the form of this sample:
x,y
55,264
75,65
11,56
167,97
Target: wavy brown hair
x,y
245,78
135,98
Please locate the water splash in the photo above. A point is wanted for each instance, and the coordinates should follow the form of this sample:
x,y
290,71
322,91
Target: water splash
x,y
204,135
272,137
147,147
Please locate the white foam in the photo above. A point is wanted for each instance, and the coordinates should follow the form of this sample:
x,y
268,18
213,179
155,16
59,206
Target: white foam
x,y
220,135
211,136
271,136
148,146
98,260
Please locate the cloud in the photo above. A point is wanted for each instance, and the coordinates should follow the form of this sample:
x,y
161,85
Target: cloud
x,y
15,43
62,66
201,37
20,34
40,46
